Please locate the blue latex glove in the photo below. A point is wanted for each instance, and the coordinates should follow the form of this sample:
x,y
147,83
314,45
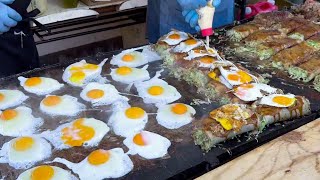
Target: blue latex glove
x,y
8,17
190,14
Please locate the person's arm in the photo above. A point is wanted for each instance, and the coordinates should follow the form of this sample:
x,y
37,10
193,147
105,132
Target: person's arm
x,y
8,17
189,10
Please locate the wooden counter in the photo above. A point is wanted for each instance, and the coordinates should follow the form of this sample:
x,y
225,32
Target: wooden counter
x,y
295,155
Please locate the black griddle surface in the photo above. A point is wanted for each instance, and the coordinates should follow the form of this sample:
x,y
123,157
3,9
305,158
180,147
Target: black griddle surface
x,y
184,160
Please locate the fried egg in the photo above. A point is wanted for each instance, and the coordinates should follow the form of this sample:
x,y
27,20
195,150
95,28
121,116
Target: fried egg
x,y
101,164
86,132
81,73
18,122
207,62
61,105
278,100
128,75
174,116
39,85
101,94
11,98
235,76
187,45
46,172
129,59
175,37
147,145
23,152
253,91
128,121
157,91
196,53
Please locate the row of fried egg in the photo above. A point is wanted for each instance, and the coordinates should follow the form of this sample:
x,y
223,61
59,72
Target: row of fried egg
x,y
140,138
243,84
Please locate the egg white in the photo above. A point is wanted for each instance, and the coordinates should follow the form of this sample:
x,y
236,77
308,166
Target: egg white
x,y
59,174
47,86
170,120
157,146
169,95
137,75
139,59
12,98
111,94
183,47
117,166
124,126
23,124
267,100
171,42
101,129
69,106
40,150
232,70
252,94
90,75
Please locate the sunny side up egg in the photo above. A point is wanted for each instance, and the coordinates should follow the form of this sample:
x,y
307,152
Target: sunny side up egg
x,y
11,98
129,59
18,122
23,152
61,105
128,121
278,100
81,73
251,92
101,94
235,76
130,75
39,85
101,164
174,116
46,172
175,37
195,53
147,145
86,132
187,45
157,91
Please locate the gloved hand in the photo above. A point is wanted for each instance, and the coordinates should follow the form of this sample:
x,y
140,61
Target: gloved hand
x,y
190,14
8,17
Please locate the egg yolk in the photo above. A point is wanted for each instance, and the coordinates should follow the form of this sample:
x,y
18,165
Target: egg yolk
x,y
90,66
282,100
155,90
213,76
197,51
8,114
241,76
52,101
247,86
225,123
1,97
77,77
207,60
212,51
34,81
174,36
98,157
128,58
44,172
134,113
138,140
191,42
95,93
245,77
179,109
124,70
23,143
77,134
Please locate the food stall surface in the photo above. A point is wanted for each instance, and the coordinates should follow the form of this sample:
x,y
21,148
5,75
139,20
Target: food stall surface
x,y
294,155
184,159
